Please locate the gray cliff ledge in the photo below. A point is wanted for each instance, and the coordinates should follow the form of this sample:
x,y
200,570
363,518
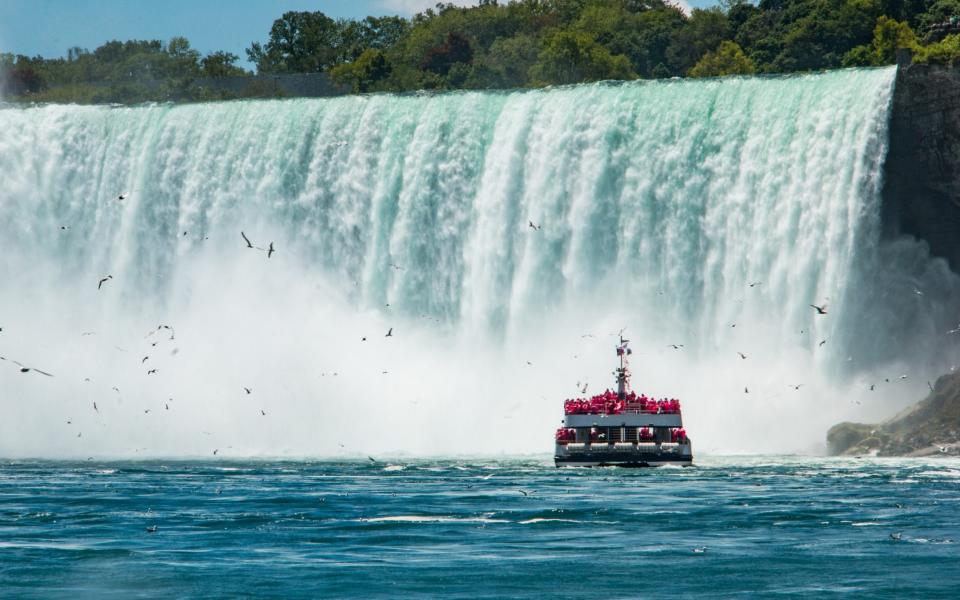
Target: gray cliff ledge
x,y
930,427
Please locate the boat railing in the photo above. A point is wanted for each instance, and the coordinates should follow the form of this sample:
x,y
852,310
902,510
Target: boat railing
x,y
644,447
612,405
623,411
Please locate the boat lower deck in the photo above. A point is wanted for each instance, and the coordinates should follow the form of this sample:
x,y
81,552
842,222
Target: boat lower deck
x,y
623,455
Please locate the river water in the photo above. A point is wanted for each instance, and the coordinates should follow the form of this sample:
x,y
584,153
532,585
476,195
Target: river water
x,y
728,527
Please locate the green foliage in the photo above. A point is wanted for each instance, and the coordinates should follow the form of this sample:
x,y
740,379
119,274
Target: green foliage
x,y
442,57
507,63
365,73
220,64
506,44
703,32
946,51
727,59
573,57
300,42
939,11
889,35
308,42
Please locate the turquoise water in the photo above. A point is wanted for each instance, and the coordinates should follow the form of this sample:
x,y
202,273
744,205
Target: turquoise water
x,y
773,526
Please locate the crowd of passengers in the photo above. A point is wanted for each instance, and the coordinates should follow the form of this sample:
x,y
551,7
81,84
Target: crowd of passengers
x,y
608,403
677,435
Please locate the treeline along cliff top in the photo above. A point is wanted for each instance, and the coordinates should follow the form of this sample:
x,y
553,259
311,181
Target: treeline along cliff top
x,y
496,45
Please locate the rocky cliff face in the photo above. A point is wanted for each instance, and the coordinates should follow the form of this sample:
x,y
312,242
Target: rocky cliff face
x,y
922,186
930,427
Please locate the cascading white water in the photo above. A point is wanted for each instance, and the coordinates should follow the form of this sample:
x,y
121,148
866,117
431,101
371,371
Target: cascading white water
x,y
656,206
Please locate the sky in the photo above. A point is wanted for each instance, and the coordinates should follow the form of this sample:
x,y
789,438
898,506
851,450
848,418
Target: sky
x,y
49,27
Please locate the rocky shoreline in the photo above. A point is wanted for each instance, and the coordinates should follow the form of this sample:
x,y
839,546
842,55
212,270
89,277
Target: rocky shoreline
x,y
929,428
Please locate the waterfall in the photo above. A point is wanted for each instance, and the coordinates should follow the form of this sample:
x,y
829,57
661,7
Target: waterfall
x,y
505,236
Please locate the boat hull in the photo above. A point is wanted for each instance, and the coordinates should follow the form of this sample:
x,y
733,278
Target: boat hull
x,y
604,455
632,461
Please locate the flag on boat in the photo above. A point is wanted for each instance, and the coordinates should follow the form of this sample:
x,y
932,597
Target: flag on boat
x,y
624,349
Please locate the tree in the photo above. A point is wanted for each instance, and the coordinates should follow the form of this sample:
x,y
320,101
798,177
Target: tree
x,y
889,35
727,59
364,74
702,32
569,57
22,79
220,64
946,51
378,33
454,49
656,31
300,42
939,11
507,63
183,61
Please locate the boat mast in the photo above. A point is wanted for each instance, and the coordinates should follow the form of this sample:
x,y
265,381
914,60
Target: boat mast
x,y
623,373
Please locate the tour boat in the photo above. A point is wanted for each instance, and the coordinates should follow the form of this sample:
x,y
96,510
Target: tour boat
x,y
622,428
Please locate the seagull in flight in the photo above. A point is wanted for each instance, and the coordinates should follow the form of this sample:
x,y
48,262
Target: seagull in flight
x,y
534,227
822,342
246,239
247,390
821,310
270,250
675,346
742,355
389,333
754,284
123,196
104,280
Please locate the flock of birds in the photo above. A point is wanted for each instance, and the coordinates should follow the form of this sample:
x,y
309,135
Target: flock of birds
x,y
23,368
820,310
